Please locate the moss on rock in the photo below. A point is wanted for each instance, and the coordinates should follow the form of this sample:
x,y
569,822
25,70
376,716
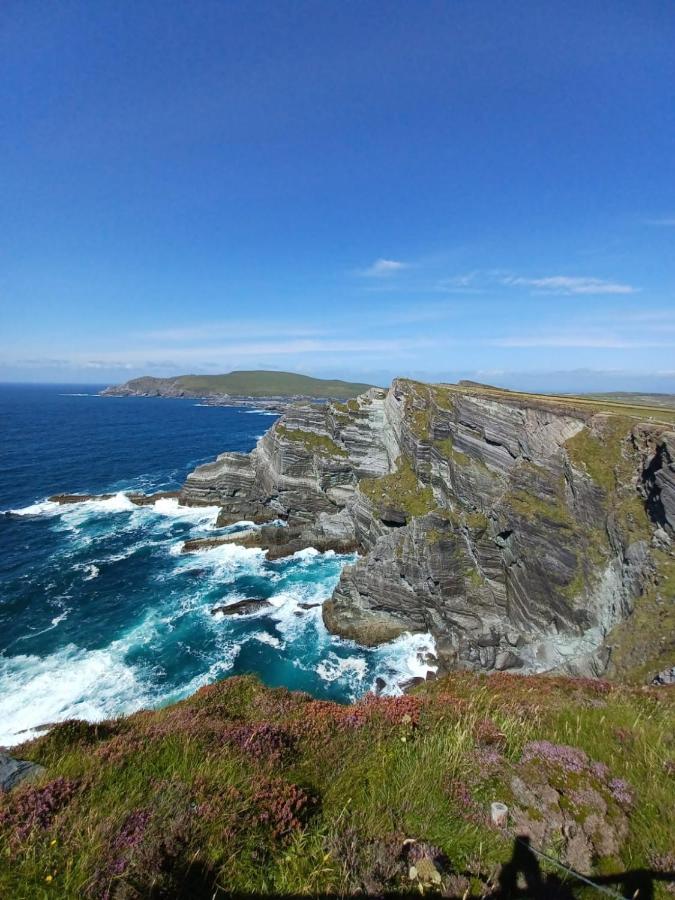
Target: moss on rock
x,y
400,490
315,443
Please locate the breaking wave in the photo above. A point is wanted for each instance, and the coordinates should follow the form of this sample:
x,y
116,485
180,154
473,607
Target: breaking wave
x,y
101,613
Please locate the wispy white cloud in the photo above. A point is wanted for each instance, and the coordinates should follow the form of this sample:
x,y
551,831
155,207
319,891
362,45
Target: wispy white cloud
x,y
384,268
567,284
217,356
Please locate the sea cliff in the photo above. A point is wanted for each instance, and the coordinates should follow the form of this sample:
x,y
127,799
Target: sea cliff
x,y
518,529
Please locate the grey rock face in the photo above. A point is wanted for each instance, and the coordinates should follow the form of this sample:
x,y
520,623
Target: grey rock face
x,y
660,481
516,529
14,771
666,676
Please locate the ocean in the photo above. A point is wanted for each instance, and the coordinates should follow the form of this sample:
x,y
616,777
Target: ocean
x,y
101,614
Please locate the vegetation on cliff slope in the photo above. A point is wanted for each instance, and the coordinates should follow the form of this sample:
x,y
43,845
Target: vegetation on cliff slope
x,y
255,383
242,788
312,442
400,490
644,643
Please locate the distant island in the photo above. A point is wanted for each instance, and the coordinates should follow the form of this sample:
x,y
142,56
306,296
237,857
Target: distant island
x,y
256,387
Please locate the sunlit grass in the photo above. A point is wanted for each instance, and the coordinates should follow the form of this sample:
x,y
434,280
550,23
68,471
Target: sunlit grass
x,y
171,801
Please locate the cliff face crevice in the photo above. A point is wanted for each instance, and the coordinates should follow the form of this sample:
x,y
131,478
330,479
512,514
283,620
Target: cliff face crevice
x,y
517,529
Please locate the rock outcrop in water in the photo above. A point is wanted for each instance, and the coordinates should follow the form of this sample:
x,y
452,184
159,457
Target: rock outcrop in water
x,y
518,529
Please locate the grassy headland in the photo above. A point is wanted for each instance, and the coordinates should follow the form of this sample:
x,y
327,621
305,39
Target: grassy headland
x,y
243,788
256,383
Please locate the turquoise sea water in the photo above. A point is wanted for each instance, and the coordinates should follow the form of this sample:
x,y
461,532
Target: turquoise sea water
x,y
101,614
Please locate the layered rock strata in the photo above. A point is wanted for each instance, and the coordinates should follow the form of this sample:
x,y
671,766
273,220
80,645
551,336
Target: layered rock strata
x,y
518,529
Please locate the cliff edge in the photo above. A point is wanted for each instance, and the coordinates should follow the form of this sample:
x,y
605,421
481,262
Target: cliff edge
x,y
518,529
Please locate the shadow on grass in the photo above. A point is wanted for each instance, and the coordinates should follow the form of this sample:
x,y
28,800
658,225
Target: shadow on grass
x,y
521,877
637,883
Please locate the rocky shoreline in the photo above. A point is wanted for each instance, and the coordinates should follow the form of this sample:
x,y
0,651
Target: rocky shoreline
x,y
518,530
266,404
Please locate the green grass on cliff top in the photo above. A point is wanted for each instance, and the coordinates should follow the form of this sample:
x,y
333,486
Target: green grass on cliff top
x,y
641,407
246,789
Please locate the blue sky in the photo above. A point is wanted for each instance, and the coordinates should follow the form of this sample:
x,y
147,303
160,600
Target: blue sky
x,y
468,188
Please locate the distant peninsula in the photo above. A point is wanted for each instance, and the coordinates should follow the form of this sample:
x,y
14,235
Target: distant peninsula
x,y
261,387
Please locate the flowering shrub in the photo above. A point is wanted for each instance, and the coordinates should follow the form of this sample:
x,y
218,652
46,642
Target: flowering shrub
x,y
404,710
459,793
119,748
621,791
486,732
586,798
278,703
600,770
571,759
282,807
664,862
35,807
576,761
489,759
130,836
321,718
261,741
196,722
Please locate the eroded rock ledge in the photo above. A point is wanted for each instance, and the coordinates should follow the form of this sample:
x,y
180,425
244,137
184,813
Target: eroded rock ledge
x,y
518,529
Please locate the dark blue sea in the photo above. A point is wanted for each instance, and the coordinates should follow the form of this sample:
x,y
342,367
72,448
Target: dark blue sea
x,y
101,614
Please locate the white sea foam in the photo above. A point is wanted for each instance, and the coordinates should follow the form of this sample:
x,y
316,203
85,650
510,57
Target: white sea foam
x,y
55,622
119,502
100,683
225,562
95,684
72,683
243,525
266,638
309,554
198,515
260,412
334,667
75,514
227,655
41,508
402,659
91,571
125,554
